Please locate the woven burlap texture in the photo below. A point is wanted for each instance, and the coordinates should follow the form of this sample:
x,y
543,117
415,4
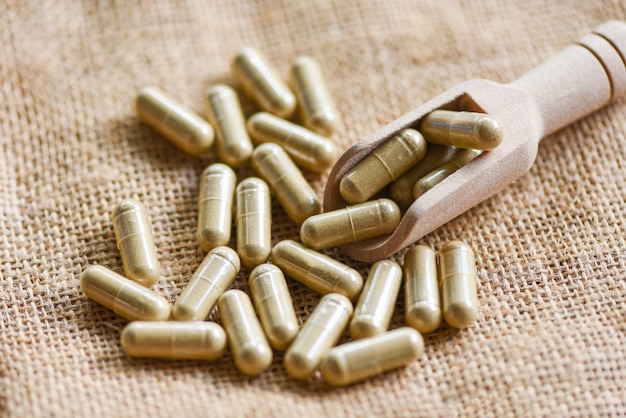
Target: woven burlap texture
x,y
551,255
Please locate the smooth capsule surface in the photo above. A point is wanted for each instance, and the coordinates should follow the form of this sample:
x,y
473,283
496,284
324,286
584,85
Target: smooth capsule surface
x,y
261,82
457,283
374,309
123,296
319,333
307,149
294,193
462,129
181,126
197,340
135,242
352,224
216,272
436,176
316,271
358,360
253,222
248,345
273,304
224,112
421,289
315,103
387,163
215,206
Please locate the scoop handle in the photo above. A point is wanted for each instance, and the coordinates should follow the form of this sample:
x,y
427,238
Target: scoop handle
x,y
582,78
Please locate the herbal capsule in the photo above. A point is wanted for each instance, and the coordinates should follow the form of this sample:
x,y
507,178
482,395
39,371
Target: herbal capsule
x,y
319,333
248,345
375,306
197,340
181,126
351,224
358,360
423,308
401,190
216,272
457,283
462,129
317,110
316,271
224,112
307,149
261,82
123,296
254,222
274,305
388,162
271,162
135,242
215,206
436,176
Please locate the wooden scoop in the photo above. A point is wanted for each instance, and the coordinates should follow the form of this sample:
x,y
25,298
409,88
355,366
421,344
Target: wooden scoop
x,y
582,78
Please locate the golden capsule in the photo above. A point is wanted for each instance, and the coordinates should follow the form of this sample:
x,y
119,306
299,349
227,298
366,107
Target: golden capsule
x,y
253,222
135,242
319,333
457,284
273,304
181,126
423,308
307,149
316,271
377,301
215,206
401,190
436,176
317,110
224,112
358,360
216,272
123,296
261,82
351,224
248,345
294,193
197,340
462,129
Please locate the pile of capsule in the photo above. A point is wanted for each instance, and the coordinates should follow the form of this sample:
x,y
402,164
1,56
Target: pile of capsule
x,y
437,287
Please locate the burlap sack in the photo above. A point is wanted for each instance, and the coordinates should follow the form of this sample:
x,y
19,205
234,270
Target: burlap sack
x,y
550,248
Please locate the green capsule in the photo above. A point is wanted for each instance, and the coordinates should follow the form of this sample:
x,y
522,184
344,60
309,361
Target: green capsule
x,y
436,176
462,129
215,206
457,283
423,308
253,222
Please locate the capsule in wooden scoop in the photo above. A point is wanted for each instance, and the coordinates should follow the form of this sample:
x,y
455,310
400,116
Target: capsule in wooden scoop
x,y
261,82
125,297
436,176
215,206
196,340
462,129
315,103
248,345
423,307
352,224
307,149
224,112
319,333
358,360
254,222
316,271
273,304
135,242
216,272
457,283
181,126
375,306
